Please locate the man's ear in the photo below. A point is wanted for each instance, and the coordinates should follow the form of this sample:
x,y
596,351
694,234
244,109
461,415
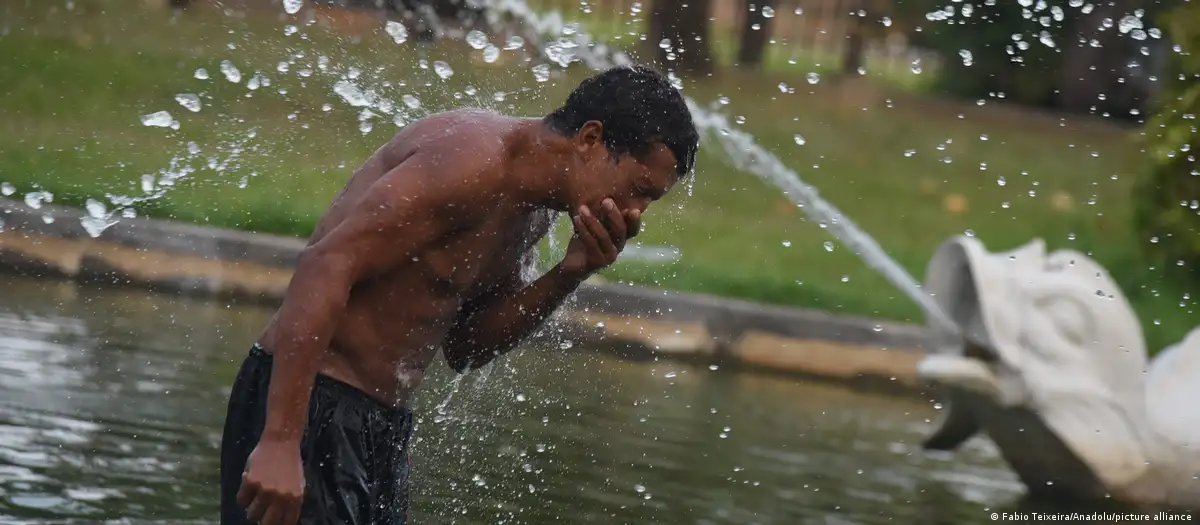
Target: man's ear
x,y
590,136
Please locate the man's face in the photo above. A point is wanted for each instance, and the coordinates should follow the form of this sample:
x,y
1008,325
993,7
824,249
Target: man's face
x,y
632,183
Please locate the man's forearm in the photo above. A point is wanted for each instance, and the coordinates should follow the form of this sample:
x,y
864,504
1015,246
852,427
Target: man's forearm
x,y
305,324
499,326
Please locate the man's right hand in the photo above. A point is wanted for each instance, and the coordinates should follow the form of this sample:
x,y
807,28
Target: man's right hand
x,y
273,484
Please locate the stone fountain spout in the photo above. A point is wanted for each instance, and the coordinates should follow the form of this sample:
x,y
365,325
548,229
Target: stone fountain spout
x,y
1051,365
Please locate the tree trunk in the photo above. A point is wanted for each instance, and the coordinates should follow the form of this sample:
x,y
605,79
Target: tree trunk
x,y
1087,71
756,29
683,24
852,54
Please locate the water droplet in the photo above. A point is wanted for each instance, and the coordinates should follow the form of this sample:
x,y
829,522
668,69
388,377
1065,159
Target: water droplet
x,y
34,199
669,375
514,42
828,246
491,54
350,93
521,398
158,119
201,74
910,152
397,31
768,12
189,101
787,244
477,39
7,189
799,139
443,70
639,489
845,278
713,368
231,72
1000,181
877,328
813,77
411,101
541,72
966,56
1129,23
292,6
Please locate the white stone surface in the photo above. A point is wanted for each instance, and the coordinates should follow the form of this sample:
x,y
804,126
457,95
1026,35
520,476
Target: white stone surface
x,y
1056,374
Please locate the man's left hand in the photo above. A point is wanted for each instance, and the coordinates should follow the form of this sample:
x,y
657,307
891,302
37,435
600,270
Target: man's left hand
x,y
599,238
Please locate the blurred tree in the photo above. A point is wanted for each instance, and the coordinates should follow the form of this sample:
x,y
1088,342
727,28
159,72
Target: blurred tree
x,y
756,30
854,54
679,36
1168,211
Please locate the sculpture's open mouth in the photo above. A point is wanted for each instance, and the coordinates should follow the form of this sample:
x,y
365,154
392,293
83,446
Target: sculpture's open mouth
x,y
973,367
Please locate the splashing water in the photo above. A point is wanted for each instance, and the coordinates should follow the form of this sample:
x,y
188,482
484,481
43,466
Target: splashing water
x,y
741,150
561,44
160,119
231,72
397,31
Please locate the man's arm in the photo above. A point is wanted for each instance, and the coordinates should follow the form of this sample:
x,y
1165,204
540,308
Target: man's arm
x,y
495,325
387,227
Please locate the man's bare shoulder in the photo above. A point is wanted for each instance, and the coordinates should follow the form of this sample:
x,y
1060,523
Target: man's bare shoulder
x,y
463,148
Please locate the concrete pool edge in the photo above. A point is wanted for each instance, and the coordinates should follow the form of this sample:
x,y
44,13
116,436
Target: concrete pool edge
x,y
638,322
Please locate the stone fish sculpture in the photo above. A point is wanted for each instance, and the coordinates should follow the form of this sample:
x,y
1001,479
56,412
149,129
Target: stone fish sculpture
x,y
1055,373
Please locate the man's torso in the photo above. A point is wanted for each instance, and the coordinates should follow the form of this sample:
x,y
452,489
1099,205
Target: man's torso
x,y
392,324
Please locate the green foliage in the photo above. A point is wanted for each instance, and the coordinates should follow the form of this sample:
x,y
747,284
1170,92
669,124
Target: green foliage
x,y
1016,50
1167,209
977,43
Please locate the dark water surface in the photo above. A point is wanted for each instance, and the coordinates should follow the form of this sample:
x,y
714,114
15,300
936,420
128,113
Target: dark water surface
x,y
112,401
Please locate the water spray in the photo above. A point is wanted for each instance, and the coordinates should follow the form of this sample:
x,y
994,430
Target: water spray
x,y
740,150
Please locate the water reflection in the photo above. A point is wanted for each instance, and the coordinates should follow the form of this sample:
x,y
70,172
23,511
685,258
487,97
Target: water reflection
x,y
111,403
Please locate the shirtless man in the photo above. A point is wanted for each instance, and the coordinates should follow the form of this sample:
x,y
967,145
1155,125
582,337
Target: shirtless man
x,y
424,249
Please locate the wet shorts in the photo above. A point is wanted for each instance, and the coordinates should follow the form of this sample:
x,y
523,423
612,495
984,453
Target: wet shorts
x,y
354,450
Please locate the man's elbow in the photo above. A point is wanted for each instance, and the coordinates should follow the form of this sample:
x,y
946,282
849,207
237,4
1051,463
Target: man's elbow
x,y
456,360
463,359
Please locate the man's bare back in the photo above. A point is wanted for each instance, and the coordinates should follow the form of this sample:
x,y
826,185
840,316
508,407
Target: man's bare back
x,y
425,249
394,322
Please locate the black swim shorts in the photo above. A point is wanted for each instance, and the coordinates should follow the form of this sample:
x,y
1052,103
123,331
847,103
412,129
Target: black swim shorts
x,y
354,450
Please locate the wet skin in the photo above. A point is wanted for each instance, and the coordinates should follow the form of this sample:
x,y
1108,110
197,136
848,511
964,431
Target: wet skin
x,y
424,248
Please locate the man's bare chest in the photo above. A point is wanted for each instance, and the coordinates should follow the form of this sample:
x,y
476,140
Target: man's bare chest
x,y
475,260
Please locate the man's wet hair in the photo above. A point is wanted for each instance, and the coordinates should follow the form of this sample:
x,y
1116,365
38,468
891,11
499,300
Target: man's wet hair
x,y
638,107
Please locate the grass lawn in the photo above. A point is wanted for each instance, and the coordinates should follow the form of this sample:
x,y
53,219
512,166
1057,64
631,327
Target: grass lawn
x,y
909,169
